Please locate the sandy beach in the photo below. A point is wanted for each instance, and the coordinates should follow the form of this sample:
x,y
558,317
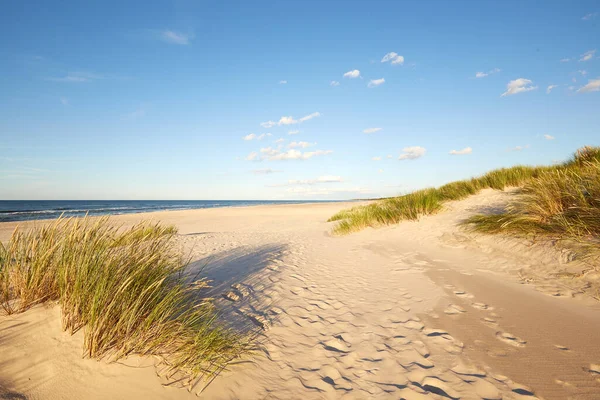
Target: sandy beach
x,y
417,310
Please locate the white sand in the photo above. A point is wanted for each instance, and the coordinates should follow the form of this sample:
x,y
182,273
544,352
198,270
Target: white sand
x,y
418,310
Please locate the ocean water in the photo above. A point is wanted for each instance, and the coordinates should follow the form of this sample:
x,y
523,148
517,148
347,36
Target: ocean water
x,y
22,210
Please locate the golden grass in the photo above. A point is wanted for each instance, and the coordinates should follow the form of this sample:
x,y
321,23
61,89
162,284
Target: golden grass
x,y
127,289
563,203
428,201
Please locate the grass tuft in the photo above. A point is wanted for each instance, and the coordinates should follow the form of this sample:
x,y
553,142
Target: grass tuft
x,y
545,181
127,289
563,203
427,201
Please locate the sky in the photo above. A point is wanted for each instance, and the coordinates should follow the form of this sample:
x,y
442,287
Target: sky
x,y
285,100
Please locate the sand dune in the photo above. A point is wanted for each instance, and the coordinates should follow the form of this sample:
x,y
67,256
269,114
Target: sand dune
x,y
418,310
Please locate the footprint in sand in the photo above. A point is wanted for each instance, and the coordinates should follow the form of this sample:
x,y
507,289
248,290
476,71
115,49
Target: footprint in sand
x,y
463,294
511,339
454,309
481,306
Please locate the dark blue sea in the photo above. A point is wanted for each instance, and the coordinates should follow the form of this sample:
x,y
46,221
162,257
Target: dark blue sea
x,y
22,210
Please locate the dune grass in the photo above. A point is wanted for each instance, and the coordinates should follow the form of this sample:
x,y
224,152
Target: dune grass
x,y
563,202
428,201
127,289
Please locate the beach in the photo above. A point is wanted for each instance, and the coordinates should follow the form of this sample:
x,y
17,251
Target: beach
x,y
421,309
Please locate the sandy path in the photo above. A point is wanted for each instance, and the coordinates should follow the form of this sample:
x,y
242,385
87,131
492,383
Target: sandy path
x,y
419,310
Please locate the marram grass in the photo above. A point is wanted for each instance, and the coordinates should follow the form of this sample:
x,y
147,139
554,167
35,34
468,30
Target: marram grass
x,y
428,201
127,289
563,202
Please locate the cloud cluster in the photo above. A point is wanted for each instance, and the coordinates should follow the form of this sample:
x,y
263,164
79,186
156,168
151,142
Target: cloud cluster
x,y
334,83
518,86
372,130
175,37
301,145
253,136
466,150
548,137
588,55
589,16
484,74
549,88
293,132
352,74
282,82
376,82
412,153
593,85
393,58
285,120
278,154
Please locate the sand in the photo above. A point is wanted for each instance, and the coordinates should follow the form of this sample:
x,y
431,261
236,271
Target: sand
x,y
418,310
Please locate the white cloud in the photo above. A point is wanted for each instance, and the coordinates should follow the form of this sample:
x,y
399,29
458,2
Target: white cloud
x,y
588,55
283,82
334,83
376,82
518,148
268,124
589,16
593,85
293,132
377,158
64,101
175,37
372,130
549,88
289,120
78,77
253,136
276,154
484,74
548,137
563,60
301,145
466,150
518,86
393,58
352,74
280,140
265,171
297,155
412,153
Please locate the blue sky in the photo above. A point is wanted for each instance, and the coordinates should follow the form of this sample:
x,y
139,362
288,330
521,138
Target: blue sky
x,y
197,100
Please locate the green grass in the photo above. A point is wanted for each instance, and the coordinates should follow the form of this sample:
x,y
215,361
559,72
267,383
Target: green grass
x,y
127,289
563,203
428,201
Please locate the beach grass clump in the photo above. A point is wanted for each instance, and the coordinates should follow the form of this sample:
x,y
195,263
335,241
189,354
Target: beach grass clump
x,y
564,203
427,201
128,290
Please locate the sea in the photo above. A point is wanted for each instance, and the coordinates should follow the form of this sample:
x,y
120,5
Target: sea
x,y
23,210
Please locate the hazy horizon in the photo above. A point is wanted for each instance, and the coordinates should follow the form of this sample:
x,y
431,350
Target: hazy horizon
x,y
177,100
